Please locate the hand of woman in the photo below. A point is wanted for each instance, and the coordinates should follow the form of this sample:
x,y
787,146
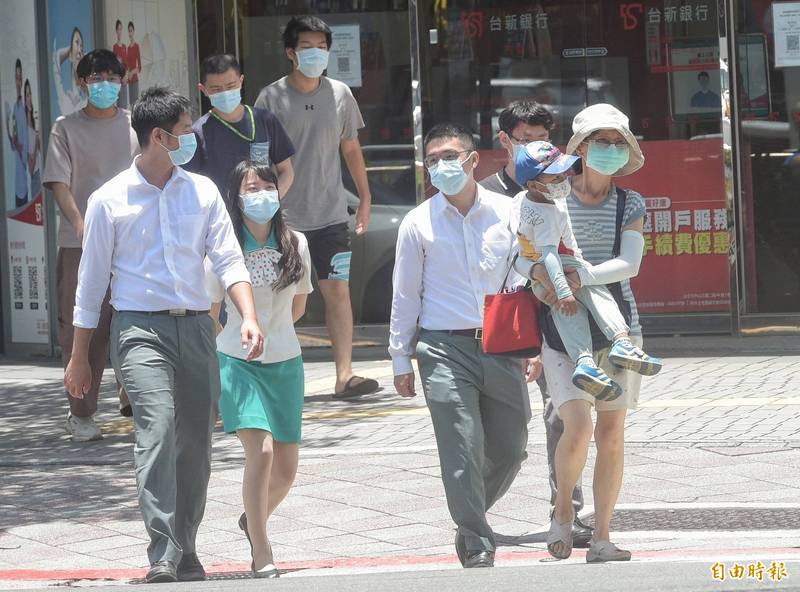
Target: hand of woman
x,y
568,306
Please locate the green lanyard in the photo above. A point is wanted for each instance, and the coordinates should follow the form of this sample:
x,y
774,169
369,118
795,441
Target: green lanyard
x,y
236,131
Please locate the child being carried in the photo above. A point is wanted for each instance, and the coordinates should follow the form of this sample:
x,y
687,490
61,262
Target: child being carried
x,y
544,226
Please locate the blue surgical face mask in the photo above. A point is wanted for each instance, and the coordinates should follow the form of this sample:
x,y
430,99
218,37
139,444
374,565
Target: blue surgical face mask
x,y
261,206
448,176
312,61
607,159
515,150
104,94
227,100
187,144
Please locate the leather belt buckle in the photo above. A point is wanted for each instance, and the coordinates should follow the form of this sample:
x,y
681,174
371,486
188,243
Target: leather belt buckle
x,y
177,312
478,334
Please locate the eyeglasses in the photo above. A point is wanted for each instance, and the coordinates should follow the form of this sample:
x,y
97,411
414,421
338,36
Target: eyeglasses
x,y
95,78
431,161
606,143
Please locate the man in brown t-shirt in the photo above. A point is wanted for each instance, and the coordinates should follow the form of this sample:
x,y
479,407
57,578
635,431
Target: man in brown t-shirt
x,y
86,149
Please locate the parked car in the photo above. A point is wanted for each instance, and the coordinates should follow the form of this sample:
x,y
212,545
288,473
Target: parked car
x,y
391,180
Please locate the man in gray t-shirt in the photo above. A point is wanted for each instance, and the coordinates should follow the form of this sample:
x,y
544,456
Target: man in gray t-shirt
x,y
86,149
321,117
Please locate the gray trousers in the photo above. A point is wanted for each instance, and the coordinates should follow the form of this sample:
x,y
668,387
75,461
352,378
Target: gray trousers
x,y
480,410
554,427
169,367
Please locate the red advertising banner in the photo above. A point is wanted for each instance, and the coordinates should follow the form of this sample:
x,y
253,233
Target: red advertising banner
x,y
685,267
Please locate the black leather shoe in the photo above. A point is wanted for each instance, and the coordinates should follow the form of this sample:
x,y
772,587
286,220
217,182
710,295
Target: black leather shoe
x,y
162,572
479,559
581,534
461,548
190,569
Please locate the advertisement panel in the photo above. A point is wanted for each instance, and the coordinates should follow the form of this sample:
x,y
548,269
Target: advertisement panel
x,y
22,166
150,36
685,266
70,27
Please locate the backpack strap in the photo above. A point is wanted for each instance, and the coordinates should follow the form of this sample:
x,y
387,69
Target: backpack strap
x,y
622,198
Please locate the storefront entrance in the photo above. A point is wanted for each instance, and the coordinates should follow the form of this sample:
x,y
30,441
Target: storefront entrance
x,y
657,63
767,103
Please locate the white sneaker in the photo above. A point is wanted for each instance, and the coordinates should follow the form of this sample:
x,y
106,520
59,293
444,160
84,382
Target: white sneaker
x,y
83,429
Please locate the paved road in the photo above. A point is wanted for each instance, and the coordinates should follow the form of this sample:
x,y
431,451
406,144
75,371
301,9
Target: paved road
x,y
639,577
713,459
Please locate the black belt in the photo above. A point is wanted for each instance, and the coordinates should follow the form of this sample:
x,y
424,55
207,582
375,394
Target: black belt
x,y
173,312
476,334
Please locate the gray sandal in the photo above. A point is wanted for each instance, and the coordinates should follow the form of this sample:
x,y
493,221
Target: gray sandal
x,y
603,551
560,533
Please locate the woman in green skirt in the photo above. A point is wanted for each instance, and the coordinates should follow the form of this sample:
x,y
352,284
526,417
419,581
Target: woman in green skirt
x,y
262,400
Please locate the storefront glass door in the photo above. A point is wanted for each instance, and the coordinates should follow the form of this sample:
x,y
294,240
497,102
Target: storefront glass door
x,y
768,90
659,63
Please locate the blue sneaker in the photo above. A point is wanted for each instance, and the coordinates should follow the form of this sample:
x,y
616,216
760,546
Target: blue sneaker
x,y
626,355
594,381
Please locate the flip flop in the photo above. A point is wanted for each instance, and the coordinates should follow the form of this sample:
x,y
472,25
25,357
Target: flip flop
x,y
365,387
560,533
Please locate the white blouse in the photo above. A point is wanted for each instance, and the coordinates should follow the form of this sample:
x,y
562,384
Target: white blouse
x,y
274,309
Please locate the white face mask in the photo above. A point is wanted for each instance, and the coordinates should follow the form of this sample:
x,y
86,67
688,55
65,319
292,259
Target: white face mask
x,y
557,190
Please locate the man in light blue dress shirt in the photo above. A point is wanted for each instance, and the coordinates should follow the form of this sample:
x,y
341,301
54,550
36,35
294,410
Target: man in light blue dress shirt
x,y
150,229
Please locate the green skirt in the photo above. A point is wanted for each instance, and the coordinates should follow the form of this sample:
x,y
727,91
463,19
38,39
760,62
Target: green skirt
x,y
262,396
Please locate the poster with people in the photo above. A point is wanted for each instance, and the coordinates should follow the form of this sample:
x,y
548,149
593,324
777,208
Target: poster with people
x,y
70,28
22,165
150,37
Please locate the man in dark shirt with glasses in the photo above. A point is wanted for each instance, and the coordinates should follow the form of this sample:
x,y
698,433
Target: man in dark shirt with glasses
x,y
522,122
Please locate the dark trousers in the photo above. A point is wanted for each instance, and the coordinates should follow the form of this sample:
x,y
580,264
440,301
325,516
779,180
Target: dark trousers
x,y
67,264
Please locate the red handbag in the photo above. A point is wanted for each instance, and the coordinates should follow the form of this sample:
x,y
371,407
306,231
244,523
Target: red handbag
x,y
511,323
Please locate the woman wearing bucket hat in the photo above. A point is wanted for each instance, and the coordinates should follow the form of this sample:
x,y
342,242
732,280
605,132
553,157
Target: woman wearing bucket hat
x,y
607,223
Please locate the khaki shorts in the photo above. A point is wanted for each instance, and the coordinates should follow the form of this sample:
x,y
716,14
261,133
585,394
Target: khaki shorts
x,y
558,369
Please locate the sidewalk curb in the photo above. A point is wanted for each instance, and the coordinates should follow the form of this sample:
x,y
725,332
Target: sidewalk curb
x,y
214,572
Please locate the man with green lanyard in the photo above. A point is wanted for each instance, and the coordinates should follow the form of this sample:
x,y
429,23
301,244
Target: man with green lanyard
x,y
232,132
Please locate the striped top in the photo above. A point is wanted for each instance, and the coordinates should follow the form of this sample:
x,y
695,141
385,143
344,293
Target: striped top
x,y
593,226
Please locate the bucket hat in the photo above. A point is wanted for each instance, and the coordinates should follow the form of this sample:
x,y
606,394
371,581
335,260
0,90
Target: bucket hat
x,y
604,116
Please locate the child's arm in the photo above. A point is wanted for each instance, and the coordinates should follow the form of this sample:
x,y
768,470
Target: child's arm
x,y
552,263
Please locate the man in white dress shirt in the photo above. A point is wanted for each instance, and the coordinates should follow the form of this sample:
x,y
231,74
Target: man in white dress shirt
x,y
150,228
452,250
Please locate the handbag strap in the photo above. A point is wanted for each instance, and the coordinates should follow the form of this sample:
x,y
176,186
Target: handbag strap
x,y
508,273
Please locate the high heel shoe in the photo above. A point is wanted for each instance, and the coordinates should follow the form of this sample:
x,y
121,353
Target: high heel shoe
x,y
269,570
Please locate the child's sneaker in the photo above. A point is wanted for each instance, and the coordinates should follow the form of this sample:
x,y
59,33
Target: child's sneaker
x,y
627,355
594,381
